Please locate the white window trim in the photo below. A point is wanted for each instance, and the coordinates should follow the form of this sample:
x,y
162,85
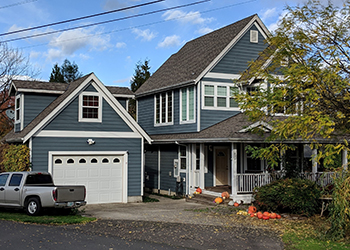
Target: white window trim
x,y
215,107
187,121
166,108
81,119
254,36
20,119
183,157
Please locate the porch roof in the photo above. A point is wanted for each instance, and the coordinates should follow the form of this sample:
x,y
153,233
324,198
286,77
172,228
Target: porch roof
x,y
234,129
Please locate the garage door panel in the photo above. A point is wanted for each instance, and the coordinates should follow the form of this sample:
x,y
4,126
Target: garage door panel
x,y
103,181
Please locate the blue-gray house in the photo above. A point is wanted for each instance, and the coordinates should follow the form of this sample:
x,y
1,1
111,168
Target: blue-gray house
x,y
82,133
198,131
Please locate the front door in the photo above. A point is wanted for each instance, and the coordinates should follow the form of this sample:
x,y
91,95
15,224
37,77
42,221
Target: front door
x,y
221,166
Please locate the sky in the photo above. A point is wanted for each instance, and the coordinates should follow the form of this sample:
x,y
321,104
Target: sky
x,y
111,50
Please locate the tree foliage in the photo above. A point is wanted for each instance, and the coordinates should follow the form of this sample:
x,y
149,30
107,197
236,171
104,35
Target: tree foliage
x,y
68,72
16,158
142,73
308,76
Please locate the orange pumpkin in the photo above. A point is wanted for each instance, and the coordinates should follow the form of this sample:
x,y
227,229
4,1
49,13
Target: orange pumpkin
x,y
236,204
267,214
265,217
278,216
260,215
199,190
273,215
252,215
252,209
225,195
218,200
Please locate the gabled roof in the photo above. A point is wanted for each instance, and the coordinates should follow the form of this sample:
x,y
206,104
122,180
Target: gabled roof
x,y
121,91
197,57
73,89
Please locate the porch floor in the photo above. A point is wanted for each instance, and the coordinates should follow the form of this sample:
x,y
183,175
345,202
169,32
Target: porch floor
x,y
220,189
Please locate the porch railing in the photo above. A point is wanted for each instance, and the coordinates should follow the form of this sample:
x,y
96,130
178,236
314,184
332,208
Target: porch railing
x,y
247,182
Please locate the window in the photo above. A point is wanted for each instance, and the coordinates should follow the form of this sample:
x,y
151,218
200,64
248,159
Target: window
x,y
18,109
3,179
90,107
105,160
219,96
164,108
116,160
183,158
93,160
254,38
82,160
187,105
58,161
70,161
15,180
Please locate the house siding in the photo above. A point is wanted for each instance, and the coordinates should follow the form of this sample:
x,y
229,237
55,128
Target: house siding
x,y
68,120
243,52
209,177
146,117
123,102
151,167
34,104
90,88
211,117
42,145
167,155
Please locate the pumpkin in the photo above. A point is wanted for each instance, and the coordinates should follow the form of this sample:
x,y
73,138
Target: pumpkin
x,y
225,195
273,215
236,204
251,215
218,200
252,209
260,215
199,190
278,216
267,214
265,217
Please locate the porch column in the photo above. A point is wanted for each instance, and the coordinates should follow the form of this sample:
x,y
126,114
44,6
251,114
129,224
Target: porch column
x,y
314,164
344,159
201,166
234,183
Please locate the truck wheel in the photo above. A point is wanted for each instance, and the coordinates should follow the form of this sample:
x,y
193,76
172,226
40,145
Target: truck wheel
x,y
33,206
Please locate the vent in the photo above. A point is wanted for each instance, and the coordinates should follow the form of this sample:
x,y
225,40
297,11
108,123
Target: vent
x,y
254,36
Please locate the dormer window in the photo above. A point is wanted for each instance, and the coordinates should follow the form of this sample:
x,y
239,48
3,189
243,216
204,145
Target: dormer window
x,y
90,107
163,112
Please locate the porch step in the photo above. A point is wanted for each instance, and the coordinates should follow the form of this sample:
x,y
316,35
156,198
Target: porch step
x,y
205,199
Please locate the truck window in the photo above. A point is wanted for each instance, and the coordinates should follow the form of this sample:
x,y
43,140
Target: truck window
x,y
3,179
39,179
15,180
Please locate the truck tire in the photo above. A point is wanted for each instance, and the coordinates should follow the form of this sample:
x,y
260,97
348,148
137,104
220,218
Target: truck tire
x,y
33,206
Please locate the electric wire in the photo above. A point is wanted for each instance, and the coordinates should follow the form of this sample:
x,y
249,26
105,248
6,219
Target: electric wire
x,y
133,27
16,4
104,22
81,18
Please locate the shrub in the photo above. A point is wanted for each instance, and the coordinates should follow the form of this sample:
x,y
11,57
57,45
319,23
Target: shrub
x,y
16,158
296,196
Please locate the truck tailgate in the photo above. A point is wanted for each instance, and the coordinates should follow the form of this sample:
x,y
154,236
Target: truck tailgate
x,y
70,193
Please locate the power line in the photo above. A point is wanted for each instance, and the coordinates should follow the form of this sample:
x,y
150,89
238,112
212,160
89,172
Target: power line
x,y
138,26
80,18
16,4
104,22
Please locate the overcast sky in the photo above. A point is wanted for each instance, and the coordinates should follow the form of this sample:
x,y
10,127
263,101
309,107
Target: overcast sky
x,y
112,50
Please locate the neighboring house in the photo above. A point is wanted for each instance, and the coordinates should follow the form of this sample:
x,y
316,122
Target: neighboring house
x,y
82,134
198,131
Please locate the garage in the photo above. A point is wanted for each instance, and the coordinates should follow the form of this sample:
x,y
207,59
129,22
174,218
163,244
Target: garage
x,y
104,175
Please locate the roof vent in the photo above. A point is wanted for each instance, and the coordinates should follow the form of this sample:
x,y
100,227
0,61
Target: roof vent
x,y
254,36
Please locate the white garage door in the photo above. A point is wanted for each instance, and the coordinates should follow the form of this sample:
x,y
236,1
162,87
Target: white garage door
x,y
102,175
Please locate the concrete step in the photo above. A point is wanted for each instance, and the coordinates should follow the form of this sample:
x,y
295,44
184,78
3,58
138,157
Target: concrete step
x,y
205,199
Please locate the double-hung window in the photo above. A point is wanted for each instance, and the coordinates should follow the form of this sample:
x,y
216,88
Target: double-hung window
x,y
219,97
187,105
163,112
18,109
90,107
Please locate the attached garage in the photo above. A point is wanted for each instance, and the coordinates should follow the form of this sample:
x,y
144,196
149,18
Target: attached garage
x,y
104,174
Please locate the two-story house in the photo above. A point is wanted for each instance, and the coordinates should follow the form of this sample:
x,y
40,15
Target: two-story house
x,y
199,133
82,133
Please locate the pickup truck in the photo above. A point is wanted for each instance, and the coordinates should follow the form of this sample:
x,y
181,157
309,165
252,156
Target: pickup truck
x,y
36,190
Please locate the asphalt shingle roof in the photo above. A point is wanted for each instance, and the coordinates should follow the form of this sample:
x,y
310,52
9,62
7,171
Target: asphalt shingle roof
x,y
192,59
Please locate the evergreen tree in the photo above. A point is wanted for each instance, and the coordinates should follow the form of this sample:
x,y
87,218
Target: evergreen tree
x,y
67,73
56,74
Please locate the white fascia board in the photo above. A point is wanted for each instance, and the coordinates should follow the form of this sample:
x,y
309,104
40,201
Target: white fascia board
x,y
223,76
232,43
82,134
124,96
59,108
119,109
267,127
43,91
12,87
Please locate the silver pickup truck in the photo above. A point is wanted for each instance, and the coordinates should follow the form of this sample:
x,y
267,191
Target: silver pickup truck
x,y
36,190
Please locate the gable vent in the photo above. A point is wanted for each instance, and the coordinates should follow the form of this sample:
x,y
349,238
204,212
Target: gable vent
x,y
254,36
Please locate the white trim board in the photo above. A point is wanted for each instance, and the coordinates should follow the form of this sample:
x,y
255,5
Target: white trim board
x,y
94,134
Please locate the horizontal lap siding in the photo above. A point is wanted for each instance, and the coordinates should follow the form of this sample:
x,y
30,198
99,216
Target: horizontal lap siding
x,y
34,104
211,117
68,120
42,145
146,117
151,166
167,156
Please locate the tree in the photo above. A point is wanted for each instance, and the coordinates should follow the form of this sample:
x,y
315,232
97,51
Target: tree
x,y
142,73
68,72
13,65
310,49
